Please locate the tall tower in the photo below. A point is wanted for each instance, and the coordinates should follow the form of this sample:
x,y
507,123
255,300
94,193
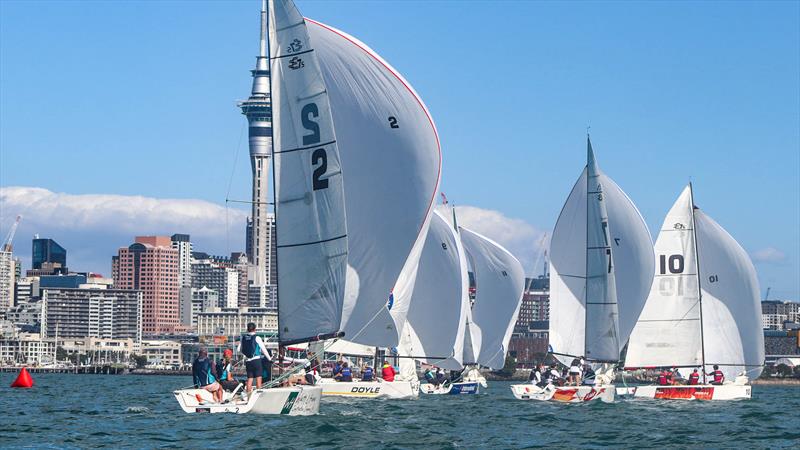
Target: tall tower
x,y
258,110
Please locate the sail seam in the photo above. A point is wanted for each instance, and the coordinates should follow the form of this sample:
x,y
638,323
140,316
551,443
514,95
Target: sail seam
x,y
292,54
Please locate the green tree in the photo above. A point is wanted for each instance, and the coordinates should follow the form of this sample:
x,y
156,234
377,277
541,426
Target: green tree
x,y
509,367
140,361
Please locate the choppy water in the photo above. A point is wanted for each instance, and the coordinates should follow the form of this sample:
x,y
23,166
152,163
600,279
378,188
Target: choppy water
x,y
71,411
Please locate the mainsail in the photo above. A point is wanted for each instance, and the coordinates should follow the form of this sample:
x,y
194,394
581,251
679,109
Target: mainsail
x,y
601,269
310,208
711,315
499,282
439,306
391,158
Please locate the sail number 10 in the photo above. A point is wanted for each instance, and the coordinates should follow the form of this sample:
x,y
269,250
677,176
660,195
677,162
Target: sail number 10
x,y
319,157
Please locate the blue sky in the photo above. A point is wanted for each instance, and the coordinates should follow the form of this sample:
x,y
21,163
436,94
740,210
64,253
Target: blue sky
x,y
138,98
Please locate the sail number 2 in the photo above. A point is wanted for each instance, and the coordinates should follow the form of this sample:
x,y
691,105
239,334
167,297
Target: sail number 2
x,y
319,157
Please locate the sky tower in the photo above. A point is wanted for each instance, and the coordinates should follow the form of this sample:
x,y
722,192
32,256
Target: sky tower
x,y
258,110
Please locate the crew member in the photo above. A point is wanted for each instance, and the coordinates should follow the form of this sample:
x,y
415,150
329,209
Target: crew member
x,y
225,369
575,372
554,377
588,375
718,376
439,376
367,373
387,371
252,347
663,377
430,377
536,375
203,375
671,376
346,374
694,377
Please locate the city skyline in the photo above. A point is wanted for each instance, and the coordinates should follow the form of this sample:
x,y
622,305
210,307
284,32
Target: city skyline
x,y
668,109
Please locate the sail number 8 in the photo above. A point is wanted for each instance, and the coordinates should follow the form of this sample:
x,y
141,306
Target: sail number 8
x,y
319,157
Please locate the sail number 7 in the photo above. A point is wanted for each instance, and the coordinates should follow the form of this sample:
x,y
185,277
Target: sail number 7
x,y
319,157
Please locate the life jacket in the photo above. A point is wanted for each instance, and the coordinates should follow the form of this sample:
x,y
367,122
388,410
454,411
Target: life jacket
x,y
387,372
670,378
718,376
368,374
337,368
250,347
223,368
347,374
662,378
201,372
694,378
429,375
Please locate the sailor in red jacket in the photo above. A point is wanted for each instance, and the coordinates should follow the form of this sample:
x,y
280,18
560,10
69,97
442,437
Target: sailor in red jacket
x,y
719,377
694,377
663,377
387,371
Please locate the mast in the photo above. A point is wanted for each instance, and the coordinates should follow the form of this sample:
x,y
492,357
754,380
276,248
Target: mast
x,y
699,289
589,160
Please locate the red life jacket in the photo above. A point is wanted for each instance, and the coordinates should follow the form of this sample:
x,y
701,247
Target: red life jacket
x,y
694,378
718,376
388,373
662,378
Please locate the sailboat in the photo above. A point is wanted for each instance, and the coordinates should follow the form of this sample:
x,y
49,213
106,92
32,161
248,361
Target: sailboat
x,y
311,227
499,284
440,306
390,158
601,258
703,309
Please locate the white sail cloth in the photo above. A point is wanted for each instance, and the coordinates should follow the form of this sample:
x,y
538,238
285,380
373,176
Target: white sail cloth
x,y
310,209
669,331
499,284
391,159
440,303
598,220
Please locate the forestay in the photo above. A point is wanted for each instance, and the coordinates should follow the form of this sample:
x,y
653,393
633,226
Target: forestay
x,y
310,209
499,282
600,241
440,303
391,158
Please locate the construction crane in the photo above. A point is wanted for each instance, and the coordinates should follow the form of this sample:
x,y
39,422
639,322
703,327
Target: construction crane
x,y
8,242
766,297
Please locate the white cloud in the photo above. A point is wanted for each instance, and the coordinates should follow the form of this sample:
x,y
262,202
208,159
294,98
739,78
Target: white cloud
x,y
520,238
93,226
769,255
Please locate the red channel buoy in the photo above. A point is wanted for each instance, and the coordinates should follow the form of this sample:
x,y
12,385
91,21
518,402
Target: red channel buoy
x,y
23,380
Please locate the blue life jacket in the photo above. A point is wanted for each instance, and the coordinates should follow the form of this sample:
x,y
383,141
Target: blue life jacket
x,y
223,368
337,368
368,374
266,369
429,375
250,347
347,374
201,372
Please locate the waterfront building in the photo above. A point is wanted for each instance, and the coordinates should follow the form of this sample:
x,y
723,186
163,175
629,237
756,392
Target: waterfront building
x,y
7,270
150,265
161,354
48,251
27,348
26,316
233,321
529,341
25,289
775,314
199,300
92,313
98,350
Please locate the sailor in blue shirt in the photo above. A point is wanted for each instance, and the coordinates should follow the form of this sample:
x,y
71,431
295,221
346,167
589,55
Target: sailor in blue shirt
x,y
253,348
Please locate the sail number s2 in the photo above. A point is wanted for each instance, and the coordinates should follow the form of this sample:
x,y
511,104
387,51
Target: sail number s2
x,y
319,157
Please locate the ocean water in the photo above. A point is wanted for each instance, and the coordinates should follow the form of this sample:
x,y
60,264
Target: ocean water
x,y
82,411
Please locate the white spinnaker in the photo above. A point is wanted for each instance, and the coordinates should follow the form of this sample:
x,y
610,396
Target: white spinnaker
x,y
668,330
391,157
472,340
631,269
732,329
499,284
440,302
310,210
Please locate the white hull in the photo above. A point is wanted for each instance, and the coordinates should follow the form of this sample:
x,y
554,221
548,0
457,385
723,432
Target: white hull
x,y
564,394
450,388
698,392
369,389
293,401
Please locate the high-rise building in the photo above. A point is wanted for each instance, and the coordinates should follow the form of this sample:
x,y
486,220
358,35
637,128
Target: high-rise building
x,y
203,299
25,289
271,264
150,264
48,251
258,110
7,270
217,275
183,245
95,313
530,339
775,314
233,321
